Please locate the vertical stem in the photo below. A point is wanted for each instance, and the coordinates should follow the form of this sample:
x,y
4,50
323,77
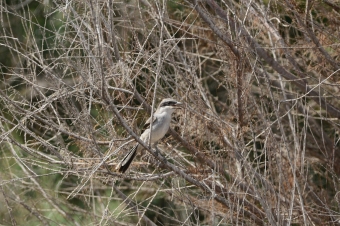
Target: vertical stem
x,y
239,77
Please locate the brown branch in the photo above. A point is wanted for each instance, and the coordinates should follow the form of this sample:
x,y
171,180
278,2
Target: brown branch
x,y
334,6
9,209
239,77
303,86
132,205
313,37
205,16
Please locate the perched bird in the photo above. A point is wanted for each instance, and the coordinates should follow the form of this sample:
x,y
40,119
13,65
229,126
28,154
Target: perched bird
x,y
160,125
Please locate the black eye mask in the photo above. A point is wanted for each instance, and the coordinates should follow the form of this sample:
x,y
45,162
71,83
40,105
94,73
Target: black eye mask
x,y
169,103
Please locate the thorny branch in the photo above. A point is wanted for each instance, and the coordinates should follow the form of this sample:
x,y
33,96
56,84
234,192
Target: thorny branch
x,y
257,142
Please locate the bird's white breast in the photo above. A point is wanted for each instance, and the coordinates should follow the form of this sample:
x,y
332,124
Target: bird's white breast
x,y
159,128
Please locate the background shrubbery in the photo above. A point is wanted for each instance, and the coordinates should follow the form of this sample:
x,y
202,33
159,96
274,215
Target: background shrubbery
x,y
258,140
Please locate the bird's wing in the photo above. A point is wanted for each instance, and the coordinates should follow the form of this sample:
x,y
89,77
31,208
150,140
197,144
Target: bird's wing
x,y
148,122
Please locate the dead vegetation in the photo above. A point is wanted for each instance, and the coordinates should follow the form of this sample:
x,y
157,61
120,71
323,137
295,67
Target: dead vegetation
x,y
258,140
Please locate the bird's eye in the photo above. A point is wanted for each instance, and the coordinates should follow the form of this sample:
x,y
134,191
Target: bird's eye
x,y
171,103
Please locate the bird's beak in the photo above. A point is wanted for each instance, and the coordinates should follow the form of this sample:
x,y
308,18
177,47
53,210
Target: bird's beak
x,y
179,105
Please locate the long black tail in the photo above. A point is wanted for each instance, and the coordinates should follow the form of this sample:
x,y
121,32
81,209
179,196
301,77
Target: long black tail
x,y
125,163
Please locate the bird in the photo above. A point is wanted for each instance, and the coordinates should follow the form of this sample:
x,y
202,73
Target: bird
x,y
160,125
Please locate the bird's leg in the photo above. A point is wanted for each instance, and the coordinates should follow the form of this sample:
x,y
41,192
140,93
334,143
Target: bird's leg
x,y
154,146
162,158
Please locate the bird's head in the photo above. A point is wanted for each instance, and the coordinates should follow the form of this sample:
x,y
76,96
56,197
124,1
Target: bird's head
x,y
169,105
